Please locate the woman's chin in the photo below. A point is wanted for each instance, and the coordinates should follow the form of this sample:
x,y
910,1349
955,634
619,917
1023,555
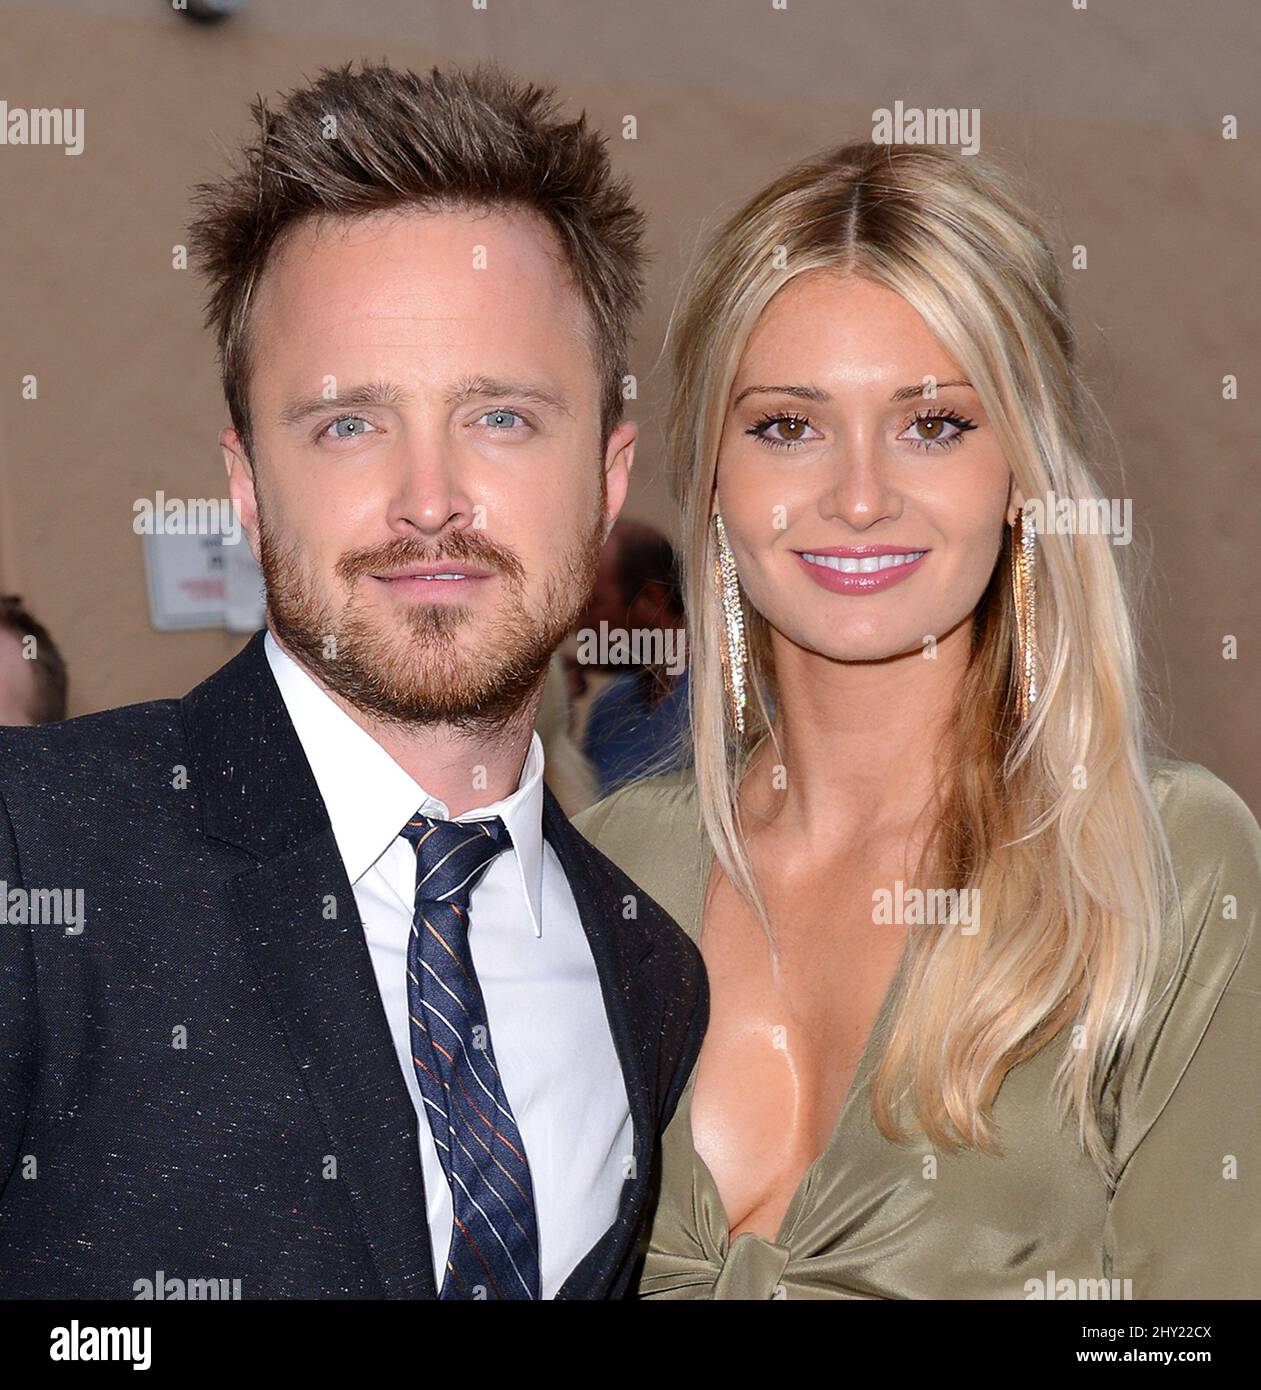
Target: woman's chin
x,y
856,646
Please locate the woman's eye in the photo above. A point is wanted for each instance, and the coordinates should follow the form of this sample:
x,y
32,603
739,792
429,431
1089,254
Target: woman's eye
x,y
783,431
348,427
937,430
501,419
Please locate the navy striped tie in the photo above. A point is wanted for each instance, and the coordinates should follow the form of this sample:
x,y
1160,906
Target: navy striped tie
x,y
494,1239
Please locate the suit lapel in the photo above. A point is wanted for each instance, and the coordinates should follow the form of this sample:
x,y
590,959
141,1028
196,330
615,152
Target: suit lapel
x,y
297,914
619,947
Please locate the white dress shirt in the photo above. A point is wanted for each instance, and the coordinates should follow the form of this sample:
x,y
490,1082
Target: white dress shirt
x,y
546,1014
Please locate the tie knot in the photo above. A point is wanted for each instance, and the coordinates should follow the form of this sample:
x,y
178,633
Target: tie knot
x,y
451,855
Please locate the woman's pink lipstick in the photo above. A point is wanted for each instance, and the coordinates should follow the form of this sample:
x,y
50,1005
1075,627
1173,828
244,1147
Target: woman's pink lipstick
x,y
860,574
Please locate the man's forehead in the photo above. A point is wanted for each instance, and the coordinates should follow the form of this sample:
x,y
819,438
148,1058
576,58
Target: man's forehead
x,y
464,245
436,280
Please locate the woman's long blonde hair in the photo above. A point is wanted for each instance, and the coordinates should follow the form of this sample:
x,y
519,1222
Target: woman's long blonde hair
x,y
1053,821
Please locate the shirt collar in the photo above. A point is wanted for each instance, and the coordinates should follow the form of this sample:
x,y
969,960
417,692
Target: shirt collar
x,y
369,797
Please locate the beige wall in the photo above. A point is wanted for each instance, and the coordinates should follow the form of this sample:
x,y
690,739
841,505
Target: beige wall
x,y
1112,115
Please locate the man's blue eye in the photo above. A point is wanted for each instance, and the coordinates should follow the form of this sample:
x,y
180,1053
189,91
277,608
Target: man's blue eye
x,y
355,426
501,419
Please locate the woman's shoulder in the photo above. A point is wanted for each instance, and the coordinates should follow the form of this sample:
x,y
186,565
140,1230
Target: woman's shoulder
x,y
1186,792
1212,950
1215,849
651,830
1215,853
641,803
1198,1051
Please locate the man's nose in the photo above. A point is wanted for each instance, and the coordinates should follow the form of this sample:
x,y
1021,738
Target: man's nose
x,y
430,493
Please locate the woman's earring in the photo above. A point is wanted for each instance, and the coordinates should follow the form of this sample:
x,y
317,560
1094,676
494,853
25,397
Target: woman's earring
x,y
1024,595
734,653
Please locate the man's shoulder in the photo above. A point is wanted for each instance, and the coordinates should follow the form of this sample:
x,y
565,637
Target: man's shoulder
x,y
145,720
124,737
110,745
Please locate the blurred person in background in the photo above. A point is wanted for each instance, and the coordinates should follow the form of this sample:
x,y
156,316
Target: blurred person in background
x,y
587,677
33,678
637,721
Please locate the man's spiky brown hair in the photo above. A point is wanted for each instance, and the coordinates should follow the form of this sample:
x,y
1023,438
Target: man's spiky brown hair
x,y
354,143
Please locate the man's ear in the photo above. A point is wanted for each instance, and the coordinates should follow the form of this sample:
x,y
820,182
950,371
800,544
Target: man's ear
x,y
619,458
241,491
1015,502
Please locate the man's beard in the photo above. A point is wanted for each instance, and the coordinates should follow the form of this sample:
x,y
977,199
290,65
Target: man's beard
x,y
419,674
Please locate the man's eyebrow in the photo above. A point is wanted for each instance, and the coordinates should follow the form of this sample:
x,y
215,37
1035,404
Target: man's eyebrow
x,y
813,393
507,391
386,393
351,398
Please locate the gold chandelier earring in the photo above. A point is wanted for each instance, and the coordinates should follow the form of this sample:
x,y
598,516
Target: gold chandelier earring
x,y
1024,596
734,652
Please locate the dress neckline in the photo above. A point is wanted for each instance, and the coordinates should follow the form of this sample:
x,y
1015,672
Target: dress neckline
x,y
840,1128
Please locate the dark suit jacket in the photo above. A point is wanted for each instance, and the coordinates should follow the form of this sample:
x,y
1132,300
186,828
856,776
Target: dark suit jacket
x,y
179,1078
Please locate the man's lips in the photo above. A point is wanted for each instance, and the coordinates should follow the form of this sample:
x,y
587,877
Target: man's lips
x,y
446,581
453,570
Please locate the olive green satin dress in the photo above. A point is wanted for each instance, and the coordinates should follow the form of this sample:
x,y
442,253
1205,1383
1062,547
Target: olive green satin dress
x,y
875,1219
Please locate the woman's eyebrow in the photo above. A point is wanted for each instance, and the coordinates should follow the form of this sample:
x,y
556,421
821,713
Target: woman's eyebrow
x,y
906,393
813,393
807,393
